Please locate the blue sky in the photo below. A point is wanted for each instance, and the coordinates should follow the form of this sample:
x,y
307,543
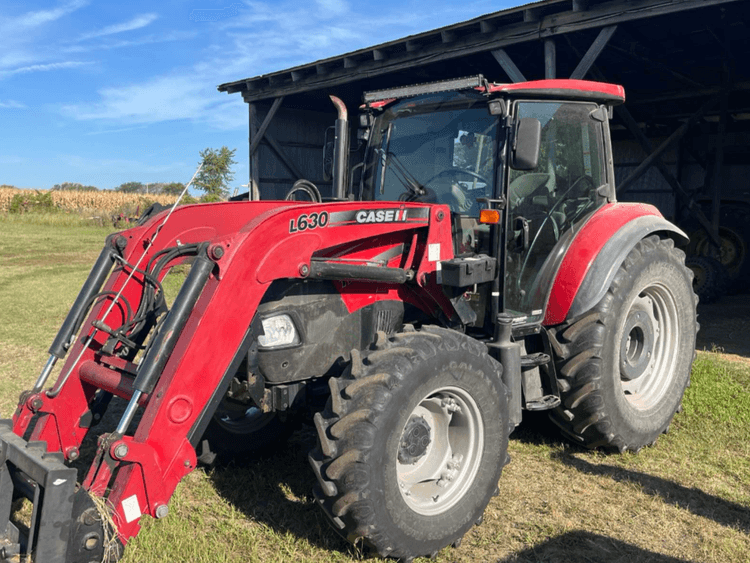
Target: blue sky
x,y
103,93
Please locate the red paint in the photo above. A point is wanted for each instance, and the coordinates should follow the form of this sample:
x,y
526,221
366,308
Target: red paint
x,y
108,379
379,104
584,249
259,248
608,91
180,409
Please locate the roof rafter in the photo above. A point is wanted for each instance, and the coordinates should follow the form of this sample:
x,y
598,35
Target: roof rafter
x,y
486,33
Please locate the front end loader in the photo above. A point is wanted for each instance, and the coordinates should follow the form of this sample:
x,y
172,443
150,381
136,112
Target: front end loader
x,y
480,268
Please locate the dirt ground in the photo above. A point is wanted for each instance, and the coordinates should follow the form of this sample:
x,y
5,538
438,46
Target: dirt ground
x,y
725,326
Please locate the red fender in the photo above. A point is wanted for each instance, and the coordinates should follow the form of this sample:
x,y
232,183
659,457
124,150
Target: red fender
x,y
595,254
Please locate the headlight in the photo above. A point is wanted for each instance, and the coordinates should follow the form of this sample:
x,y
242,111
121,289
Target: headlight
x,y
279,331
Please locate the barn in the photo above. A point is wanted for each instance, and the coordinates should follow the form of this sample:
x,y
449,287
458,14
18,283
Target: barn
x,y
681,141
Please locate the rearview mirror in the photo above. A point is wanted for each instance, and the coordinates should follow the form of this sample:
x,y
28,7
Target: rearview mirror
x,y
526,144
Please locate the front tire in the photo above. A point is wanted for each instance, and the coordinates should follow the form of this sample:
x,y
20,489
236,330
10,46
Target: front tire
x,y
625,364
412,443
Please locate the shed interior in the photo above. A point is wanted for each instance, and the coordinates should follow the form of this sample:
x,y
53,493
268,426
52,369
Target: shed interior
x,y
681,140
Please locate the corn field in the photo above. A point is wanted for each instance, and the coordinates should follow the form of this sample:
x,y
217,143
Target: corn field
x,y
96,203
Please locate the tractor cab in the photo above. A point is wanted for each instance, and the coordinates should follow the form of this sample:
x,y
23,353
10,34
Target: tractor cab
x,y
521,167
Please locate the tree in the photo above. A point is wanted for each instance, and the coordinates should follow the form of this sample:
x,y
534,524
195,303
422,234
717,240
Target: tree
x,y
216,173
131,188
172,188
74,186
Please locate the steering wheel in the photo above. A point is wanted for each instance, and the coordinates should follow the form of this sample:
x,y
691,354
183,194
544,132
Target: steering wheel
x,y
549,217
453,170
468,207
586,200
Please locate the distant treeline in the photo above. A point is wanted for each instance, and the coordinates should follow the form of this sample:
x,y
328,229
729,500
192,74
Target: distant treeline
x,y
108,202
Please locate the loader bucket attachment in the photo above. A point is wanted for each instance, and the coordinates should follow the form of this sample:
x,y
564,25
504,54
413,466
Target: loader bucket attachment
x,y
28,470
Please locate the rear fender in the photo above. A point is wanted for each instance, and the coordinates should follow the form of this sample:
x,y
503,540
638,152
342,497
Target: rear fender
x,y
597,252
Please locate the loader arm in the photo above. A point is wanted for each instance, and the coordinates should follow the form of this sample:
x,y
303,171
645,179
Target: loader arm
x,y
174,376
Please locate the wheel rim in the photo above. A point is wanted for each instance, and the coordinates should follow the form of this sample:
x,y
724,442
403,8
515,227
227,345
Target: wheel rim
x,y
649,339
439,451
732,251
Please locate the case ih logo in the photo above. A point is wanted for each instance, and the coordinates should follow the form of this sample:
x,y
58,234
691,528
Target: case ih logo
x,y
381,215
401,214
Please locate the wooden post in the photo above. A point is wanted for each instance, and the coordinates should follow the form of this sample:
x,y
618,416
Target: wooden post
x,y
508,65
253,180
550,59
718,178
654,156
593,53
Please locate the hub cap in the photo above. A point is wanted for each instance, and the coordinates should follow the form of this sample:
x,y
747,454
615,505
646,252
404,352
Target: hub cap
x,y
650,338
439,451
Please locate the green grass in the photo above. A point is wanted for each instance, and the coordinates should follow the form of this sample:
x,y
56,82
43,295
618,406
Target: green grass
x,y
685,499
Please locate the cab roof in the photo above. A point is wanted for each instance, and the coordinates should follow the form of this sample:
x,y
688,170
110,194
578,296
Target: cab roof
x,y
565,89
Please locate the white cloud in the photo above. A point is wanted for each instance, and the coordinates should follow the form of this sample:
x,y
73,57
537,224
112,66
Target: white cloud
x,y
11,104
136,23
119,130
22,39
228,114
332,7
10,159
263,37
44,67
41,17
161,99
105,45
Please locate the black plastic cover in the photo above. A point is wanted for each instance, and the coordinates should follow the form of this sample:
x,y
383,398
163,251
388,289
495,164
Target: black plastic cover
x,y
464,272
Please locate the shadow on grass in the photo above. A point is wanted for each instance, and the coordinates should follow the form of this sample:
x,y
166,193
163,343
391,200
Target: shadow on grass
x,y
277,491
587,547
702,504
538,430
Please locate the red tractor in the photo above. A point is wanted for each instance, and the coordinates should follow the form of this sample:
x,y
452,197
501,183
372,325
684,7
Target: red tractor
x,y
481,267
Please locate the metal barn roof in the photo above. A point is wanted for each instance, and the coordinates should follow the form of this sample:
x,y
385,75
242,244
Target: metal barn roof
x,y
667,54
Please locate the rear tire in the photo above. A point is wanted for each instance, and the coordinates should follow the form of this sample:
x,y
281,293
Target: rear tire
x,y
412,442
734,233
625,364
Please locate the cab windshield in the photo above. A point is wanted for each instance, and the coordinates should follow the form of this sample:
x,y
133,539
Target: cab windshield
x,y
437,148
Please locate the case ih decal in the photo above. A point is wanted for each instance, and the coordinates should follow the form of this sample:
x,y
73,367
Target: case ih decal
x,y
402,214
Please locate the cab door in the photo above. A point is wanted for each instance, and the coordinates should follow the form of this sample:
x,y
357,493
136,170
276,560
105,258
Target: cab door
x,y
546,205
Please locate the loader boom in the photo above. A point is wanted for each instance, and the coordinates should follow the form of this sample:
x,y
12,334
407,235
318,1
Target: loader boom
x,y
236,254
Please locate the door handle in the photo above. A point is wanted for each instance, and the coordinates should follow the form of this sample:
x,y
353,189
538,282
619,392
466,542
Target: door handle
x,y
522,224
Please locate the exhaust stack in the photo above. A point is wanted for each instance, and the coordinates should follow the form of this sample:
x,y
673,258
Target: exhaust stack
x,y
340,150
